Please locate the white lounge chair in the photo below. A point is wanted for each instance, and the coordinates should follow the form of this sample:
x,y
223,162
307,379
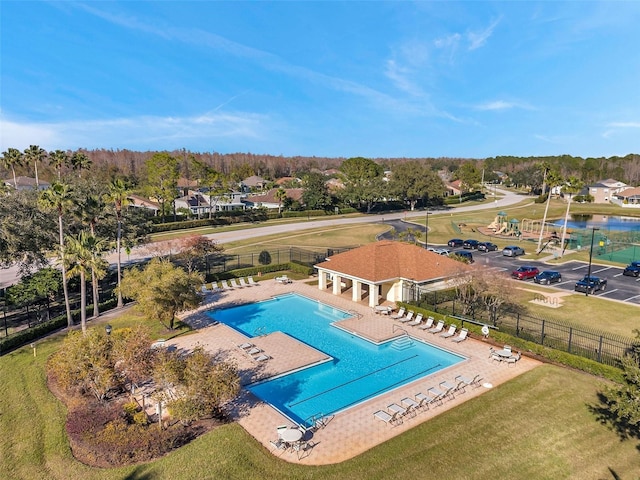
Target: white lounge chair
x,y
461,336
417,321
451,387
475,381
450,333
410,404
261,358
428,324
398,315
253,351
407,318
204,289
215,288
234,284
385,416
437,395
225,285
438,328
423,400
243,283
246,346
252,282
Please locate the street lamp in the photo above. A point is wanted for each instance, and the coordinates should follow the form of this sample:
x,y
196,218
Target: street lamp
x,y
426,229
593,233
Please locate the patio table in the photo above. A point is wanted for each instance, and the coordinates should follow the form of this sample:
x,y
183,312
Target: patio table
x,y
291,435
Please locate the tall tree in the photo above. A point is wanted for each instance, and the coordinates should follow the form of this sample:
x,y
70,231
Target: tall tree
x,y
162,290
118,195
573,185
210,178
36,155
469,176
281,195
83,257
315,194
59,198
91,209
162,174
12,158
363,181
80,161
413,181
552,179
58,159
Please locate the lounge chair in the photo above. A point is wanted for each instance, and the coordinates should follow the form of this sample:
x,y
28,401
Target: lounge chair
x,y
204,289
469,382
428,324
243,283
253,351
410,404
407,318
437,395
423,400
234,284
448,391
417,321
450,333
461,336
438,328
246,346
252,282
459,386
386,417
225,285
261,358
395,408
215,288
398,315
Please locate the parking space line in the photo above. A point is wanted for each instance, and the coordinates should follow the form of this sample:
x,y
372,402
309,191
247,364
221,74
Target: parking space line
x,y
630,298
602,270
617,275
578,268
608,292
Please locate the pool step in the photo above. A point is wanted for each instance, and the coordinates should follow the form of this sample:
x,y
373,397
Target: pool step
x,y
402,343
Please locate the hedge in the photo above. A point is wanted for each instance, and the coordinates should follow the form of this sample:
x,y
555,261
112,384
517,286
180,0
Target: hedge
x,y
304,213
39,330
295,267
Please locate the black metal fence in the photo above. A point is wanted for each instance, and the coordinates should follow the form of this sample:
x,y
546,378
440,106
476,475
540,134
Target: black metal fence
x,y
596,345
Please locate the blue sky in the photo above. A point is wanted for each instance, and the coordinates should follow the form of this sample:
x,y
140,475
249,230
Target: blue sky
x,y
339,79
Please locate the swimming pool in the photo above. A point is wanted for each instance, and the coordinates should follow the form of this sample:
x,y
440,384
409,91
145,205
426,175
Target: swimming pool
x,y
359,369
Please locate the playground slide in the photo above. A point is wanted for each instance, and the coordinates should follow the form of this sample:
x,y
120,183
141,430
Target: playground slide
x,y
494,224
501,230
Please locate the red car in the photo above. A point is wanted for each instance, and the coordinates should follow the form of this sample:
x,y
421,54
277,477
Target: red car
x,y
525,273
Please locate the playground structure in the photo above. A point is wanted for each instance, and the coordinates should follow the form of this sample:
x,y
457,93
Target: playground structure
x,y
501,225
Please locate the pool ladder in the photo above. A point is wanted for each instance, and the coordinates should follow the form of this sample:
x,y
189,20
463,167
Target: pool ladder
x,y
353,313
260,332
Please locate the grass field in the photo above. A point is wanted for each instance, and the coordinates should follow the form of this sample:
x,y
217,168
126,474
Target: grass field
x,y
536,426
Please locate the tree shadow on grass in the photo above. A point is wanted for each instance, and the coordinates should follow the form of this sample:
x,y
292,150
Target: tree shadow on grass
x,y
606,416
142,472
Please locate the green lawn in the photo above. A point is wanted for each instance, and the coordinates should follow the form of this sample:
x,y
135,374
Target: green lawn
x,y
536,426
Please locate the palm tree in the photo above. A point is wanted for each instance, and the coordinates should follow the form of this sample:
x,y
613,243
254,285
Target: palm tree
x,y
58,159
573,185
80,161
12,158
118,195
58,197
281,195
89,213
552,179
35,154
83,256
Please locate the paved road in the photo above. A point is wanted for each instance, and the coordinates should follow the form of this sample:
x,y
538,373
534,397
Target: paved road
x,y
10,276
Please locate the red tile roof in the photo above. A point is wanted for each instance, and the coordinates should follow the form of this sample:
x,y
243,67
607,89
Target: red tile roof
x,y
388,260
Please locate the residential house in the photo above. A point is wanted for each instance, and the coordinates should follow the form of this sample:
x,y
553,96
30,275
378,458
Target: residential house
x,y
269,200
26,183
387,271
253,182
627,198
604,190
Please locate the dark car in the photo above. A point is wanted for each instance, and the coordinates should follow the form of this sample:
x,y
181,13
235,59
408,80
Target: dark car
x,y
455,242
487,247
547,277
525,272
512,251
591,284
632,270
470,244
463,256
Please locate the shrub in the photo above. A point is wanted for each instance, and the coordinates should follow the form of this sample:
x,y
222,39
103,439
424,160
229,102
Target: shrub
x,y
264,258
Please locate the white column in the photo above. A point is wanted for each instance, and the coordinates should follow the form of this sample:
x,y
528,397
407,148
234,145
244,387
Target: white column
x,y
337,280
373,295
356,291
322,280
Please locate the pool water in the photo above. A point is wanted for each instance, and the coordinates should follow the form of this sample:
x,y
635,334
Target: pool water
x,y
359,369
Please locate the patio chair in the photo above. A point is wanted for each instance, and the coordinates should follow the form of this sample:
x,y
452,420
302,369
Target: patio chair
x,y
234,284
417,321
462,336
252,282
407,318
475,381
304,447
428,324
386,417
280,429
398,315
278,444
243,283
512,360
438,328
507,348
451,332
496,358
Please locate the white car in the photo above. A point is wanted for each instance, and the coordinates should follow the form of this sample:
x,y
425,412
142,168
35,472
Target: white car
x,y
512,251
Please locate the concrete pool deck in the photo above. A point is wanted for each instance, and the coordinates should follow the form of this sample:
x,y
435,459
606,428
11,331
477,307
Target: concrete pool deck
x,y
353,431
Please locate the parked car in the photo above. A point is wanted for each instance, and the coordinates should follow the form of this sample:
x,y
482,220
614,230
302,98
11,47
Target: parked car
x,y
632,270
525,272
463,256
470,244
442,251
591,284
548,277
487,247
512,251
455,242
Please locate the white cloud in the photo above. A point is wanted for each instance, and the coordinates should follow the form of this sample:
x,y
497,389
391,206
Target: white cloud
x,y
497,105
135,132
478,39
616,127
